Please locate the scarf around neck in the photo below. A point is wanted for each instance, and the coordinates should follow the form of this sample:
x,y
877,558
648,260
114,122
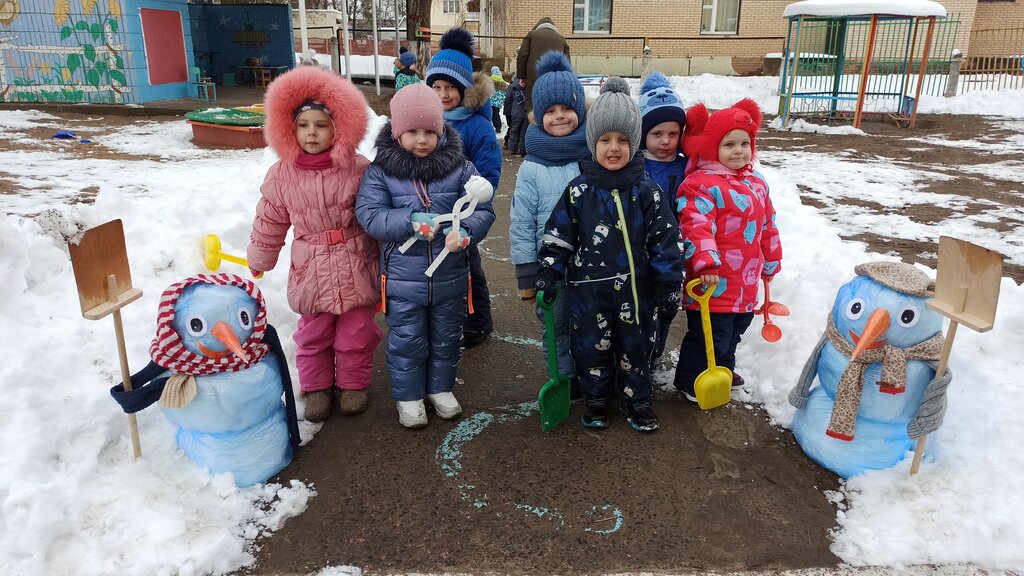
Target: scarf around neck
x,y
548,150
624,179
306,161
457,113
892,381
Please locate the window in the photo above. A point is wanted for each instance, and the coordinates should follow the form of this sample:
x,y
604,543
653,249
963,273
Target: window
x,y
720,16
592,16
451,6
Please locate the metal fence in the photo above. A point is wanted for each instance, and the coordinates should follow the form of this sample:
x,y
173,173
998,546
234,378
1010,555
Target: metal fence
x,y
995,60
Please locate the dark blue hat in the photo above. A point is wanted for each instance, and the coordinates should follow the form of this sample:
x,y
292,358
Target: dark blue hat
x,y
557,84
659,103
454,62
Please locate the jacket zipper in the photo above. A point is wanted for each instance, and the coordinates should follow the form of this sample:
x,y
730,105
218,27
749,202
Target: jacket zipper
x,y
629,253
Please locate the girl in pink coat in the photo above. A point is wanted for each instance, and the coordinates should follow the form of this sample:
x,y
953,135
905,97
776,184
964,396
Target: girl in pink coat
x,y
729,236
315,121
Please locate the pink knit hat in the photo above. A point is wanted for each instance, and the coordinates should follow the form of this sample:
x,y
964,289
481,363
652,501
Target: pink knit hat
x,y
416,106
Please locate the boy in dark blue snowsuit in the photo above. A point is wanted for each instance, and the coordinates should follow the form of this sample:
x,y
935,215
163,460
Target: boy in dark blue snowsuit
x,y
617,245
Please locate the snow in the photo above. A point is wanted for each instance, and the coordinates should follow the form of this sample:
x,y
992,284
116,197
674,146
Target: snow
x,y
75,502
863,7
362,66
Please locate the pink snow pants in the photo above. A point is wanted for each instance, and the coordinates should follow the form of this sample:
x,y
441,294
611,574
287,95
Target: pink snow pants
x,y
336,349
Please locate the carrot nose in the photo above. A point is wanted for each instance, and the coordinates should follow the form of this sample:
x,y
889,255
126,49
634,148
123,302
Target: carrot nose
x,y
227,337
870,337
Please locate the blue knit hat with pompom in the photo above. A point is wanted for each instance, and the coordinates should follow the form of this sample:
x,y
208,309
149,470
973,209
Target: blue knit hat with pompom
x,y
557,84
659,103
454,62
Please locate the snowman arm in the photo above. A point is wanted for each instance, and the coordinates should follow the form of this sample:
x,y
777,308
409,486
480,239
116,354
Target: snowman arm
x,y
798,395
291,415
146,389
933,406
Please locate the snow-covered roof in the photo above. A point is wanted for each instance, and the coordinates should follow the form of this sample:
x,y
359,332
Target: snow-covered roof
x,y
863,7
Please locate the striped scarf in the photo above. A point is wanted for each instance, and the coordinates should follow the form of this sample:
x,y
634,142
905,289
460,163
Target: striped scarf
x,y
168,350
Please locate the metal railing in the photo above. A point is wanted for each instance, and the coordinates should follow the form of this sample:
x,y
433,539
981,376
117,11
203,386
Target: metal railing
x,y
995,60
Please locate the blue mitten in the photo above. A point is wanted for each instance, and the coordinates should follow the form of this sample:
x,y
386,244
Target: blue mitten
x,y
423,225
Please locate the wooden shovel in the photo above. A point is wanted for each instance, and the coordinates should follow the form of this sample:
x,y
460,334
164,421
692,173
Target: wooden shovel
x,y
966,292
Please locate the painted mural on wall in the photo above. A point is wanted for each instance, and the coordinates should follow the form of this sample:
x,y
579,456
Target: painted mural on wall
x,y
77,56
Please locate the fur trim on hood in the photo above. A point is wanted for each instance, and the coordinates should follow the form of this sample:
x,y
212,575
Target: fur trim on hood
x,y
399,163
345,101
479,94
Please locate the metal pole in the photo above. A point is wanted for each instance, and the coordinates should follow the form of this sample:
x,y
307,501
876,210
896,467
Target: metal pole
x,y
398,41
793,71
865,72
344,33
302,27
924,68
376,47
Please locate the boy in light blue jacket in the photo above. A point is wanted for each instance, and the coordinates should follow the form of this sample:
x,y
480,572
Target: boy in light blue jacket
x,y
555,146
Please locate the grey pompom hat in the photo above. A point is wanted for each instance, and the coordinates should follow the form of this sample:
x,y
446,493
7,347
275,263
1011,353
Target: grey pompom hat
x,y
614,111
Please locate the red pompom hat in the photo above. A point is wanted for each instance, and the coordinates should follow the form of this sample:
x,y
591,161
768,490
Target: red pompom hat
x,y
704,132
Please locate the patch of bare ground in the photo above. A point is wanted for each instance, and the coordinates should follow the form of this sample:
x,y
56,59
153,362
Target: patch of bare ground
x,y
914,251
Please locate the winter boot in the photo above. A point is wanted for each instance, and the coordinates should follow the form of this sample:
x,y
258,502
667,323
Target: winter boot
x,y
352,401
595,413
445,405
737,380
412,414
640,415
318,405
575,392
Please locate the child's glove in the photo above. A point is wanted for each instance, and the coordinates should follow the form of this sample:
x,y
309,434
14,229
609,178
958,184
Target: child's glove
x,y
546,283
478,187
423,225
455,241
668,307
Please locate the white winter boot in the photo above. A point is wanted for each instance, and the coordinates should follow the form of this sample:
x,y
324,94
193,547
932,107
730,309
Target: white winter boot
x,y
445,405
412,414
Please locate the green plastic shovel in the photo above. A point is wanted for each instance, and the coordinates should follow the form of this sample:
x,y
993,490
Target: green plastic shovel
x,y
553,399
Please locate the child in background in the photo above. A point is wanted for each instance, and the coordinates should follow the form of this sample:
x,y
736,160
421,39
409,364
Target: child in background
x,y
515,116
315,121
623,273
498,98
661,135
418,174
557,144
728,223
663,121
465,97
405,69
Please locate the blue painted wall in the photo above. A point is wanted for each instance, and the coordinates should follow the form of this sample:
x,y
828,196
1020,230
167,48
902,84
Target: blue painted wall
x,y
138,75
226,36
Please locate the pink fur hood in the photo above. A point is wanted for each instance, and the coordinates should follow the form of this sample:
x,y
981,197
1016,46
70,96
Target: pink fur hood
x,y
345,101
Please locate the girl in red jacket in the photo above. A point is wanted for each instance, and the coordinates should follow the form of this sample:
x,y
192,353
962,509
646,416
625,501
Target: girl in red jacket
x,y
315,121
729,236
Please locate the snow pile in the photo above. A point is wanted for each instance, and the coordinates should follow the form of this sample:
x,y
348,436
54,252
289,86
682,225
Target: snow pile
x,y
801,125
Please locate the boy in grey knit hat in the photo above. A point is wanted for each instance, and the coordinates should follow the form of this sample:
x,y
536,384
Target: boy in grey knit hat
x,y
617,245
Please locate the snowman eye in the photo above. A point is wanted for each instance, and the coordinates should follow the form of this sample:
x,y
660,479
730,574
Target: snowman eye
x,y
855,309
909,317
196,326
244,319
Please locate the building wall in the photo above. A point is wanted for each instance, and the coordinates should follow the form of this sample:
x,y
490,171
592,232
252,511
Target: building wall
x,y
230,36
761,30
997,29
138,72
58,52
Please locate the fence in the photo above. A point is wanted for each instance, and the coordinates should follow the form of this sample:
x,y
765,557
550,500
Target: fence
x,y
995,60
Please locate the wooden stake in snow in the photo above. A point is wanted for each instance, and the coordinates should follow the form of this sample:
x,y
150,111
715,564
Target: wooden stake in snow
x,y
966,292
100,262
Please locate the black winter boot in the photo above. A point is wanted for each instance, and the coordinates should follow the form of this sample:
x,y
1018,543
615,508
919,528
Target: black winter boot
x,y
595,413
640,415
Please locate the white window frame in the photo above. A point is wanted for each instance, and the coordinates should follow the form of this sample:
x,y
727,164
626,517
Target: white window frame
x,y
585,4
714,18
451,6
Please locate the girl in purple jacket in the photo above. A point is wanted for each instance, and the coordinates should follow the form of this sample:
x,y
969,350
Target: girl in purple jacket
x,y
419,174
315,121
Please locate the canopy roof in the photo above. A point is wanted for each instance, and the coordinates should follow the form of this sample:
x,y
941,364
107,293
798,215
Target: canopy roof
x,y
864,7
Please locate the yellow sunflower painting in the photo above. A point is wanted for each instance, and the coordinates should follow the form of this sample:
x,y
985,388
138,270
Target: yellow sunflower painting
x,y
9,10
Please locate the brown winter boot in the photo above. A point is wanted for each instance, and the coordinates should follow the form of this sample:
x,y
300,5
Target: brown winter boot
x,y
318,405
352,401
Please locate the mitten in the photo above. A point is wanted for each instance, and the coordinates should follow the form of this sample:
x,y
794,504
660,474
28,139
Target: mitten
x,y
668,301
455,242
423,225
478,187
546,283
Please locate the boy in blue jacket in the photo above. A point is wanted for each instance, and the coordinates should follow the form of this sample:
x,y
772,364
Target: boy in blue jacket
x,y
465,97
617,246
557,144
661,135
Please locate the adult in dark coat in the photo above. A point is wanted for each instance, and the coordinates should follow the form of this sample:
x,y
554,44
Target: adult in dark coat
x,y
543,38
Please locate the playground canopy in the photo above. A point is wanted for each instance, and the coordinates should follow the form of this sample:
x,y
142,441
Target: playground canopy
x,y
842,55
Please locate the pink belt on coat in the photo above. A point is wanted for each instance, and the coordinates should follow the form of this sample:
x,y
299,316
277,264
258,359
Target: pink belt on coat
x,y
336,236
